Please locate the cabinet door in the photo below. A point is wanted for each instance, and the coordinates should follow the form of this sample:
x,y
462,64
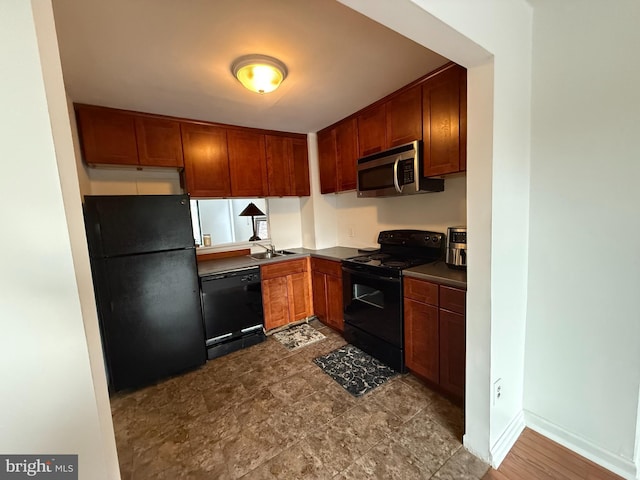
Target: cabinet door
x,y
205,160
404,117
421,339
275,302
441,122
327,161
346,137
335,315
299,299
159,142
108,136
300,168
452,352
372,131
319,287
279,151
247,163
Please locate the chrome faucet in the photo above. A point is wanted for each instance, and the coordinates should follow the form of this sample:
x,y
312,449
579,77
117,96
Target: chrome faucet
x,y
270,248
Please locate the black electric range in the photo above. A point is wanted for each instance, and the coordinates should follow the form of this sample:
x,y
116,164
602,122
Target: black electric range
x,y
400,249
373,305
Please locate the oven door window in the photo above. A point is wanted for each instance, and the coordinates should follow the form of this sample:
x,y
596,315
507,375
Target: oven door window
x,y
374,305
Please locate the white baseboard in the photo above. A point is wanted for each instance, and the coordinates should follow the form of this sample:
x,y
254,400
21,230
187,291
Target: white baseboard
x,y
618,465
507,440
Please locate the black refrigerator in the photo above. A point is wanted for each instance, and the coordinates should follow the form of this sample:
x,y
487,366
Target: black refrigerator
x,y
145,278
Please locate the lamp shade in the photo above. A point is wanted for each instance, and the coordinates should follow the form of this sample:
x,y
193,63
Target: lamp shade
x,y
251,211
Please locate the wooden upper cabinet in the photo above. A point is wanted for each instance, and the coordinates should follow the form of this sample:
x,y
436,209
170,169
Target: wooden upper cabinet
x,y
346,134
108,136
206,160
247,163
338,156
299,170
287,166
404,117
327,161
159,142
278,151
444,122
372,130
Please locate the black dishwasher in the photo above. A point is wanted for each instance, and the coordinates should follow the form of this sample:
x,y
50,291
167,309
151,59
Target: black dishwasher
x,y
232,306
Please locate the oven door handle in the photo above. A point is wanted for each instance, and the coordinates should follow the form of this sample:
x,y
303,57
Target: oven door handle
x,y
371,276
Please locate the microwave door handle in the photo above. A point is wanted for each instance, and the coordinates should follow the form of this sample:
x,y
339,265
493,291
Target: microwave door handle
x,y
395,176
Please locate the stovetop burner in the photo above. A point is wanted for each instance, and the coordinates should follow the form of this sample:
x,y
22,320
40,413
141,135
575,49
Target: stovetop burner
x,y
400,249
360,259
395,264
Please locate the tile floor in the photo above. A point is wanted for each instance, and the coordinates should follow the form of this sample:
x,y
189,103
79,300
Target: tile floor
x,y
269,413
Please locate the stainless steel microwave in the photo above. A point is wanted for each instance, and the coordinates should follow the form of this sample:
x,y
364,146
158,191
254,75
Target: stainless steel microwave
x,y
394,172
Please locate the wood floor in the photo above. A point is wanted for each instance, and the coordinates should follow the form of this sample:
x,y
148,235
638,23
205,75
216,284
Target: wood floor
x,y
536,457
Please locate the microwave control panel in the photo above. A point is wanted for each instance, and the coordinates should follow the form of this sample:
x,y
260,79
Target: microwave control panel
x,y
407,172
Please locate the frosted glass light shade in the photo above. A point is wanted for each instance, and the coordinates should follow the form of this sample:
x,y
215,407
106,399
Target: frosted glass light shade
x,y
259,73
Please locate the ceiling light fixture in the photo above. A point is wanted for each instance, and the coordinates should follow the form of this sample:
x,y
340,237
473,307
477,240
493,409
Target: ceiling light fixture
x,y
259,73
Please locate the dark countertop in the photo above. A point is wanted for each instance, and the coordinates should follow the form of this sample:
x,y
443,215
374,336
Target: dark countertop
x,y
439,272
223,265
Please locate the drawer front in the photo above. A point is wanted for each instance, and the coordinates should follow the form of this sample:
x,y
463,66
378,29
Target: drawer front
x,y
453,299
281,269
421,291
328,267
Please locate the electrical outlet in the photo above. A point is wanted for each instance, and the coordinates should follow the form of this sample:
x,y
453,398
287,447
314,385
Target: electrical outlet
x,y
350,232
497,390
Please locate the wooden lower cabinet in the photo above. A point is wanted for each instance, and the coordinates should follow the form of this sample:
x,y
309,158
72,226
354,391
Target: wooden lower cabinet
x,y
326,278
452,352
422,352
286,293
434,328
275,302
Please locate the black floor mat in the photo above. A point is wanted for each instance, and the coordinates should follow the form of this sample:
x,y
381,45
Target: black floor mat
x,y
356,371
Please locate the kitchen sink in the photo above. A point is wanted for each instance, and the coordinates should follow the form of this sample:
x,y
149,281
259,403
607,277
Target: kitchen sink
x,y
264,255
267,255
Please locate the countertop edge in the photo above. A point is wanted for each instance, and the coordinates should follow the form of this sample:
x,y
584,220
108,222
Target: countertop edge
x,y
441,280
231,264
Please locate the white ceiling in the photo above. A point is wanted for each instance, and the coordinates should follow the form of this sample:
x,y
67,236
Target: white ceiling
x,y
173,57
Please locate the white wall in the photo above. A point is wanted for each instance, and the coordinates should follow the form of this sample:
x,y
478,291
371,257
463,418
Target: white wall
x,y
359,220
50,402
583,327
319,220
474,34
129,181
285,222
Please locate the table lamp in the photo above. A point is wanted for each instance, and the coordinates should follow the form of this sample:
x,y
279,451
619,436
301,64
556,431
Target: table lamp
x,y
252,211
